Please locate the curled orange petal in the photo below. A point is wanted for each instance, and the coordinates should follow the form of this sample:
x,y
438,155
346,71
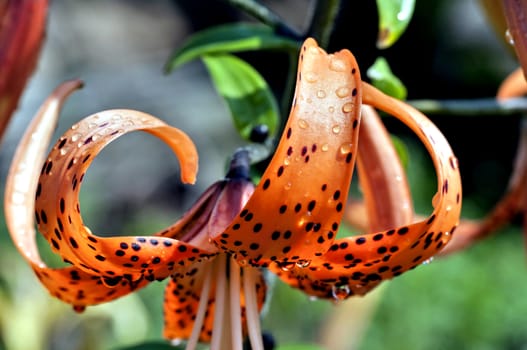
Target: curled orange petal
x,y
382,178
69,284
299,202
57,208
355,265
513,86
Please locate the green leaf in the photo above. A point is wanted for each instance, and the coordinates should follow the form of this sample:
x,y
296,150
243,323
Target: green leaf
x,y
382,78
153,346
230,38
394,16
248,96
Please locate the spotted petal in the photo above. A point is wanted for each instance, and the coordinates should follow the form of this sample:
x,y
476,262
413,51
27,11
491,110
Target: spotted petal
x,y
301,195
355,265
57,204
70,284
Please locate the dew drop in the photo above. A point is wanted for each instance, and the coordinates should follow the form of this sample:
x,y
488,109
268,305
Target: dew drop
x,y
74,126
302,123
508,37
331,109
340,293
454,163
75,137
287,161
428,261
287,186
335,129
325,147
314,50
343,91
303,263
176,341
63,151
345,148
321,94
310,77
348,107
337,65
92,125
286,265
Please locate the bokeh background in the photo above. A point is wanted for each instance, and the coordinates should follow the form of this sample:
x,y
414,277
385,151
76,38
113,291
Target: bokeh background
x,y
472,300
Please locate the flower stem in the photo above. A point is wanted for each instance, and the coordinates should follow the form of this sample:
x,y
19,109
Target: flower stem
x,y
323,21
473,107
265,15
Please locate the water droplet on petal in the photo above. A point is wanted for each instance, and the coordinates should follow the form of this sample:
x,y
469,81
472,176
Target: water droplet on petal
x,y
337,65
74,126
345,148
343,91
310,77
508,37
303,263
428,261
288,186
325,147
63,151
335,129
75,137
348,107
302,123
331,109
286,266
321,94
340,293
176,341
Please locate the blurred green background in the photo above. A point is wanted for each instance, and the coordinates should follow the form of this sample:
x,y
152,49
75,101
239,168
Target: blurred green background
x,y
471,300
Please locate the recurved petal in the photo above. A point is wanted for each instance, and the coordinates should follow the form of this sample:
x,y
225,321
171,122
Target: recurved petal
x,y
355,265
57,207
68,284
303,190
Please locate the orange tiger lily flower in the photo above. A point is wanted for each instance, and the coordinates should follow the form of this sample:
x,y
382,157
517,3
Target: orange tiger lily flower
x,y
22,27
288,223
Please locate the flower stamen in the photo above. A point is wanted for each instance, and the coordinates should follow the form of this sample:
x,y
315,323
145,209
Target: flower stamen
x,y
251,308
236,316
202,308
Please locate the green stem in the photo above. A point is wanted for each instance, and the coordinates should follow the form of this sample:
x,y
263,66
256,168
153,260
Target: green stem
x,y
265,15
474,108
323,21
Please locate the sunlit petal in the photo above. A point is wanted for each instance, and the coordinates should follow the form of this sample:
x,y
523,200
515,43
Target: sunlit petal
x,y
355,265
68,284
302,193
57,204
